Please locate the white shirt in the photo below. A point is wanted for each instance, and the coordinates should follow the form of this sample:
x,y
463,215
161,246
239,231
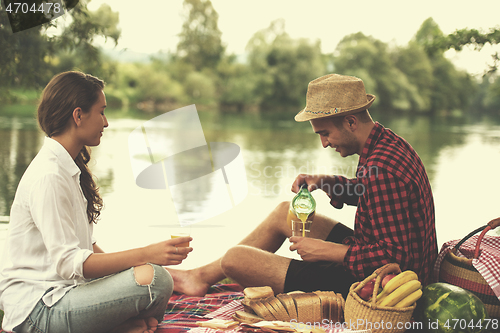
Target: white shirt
x,y
49,235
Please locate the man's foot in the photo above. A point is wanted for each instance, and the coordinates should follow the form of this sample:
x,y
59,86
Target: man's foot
x,y
189,282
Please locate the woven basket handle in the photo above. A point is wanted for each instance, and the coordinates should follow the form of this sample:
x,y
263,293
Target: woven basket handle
x,y
490,226
378,275
484,229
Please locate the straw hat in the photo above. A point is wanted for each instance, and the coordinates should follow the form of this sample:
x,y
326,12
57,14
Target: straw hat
x,y
334,95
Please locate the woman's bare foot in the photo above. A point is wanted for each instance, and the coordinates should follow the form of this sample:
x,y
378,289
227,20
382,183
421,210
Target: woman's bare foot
x,y
195,282
137,325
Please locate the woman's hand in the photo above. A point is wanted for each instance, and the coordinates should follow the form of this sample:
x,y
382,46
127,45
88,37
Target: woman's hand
x,y
312,249
163,253
166,253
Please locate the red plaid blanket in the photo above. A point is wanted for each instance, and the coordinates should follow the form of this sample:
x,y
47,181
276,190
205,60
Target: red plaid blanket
x,y
488,263
184,311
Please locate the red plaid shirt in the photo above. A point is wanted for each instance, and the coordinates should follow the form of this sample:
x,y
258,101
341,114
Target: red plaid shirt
x,y
395,215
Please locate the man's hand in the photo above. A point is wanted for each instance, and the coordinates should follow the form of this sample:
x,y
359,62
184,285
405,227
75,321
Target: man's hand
x,y
313,182
312,250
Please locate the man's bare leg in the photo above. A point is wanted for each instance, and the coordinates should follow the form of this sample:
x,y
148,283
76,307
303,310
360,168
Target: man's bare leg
x,y
261,268
267,236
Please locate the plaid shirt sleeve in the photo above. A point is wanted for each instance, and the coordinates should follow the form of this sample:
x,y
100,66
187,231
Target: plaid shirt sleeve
x,y
344,191
381,233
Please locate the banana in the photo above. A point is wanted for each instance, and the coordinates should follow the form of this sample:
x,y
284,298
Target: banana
x,y
396,282
410,299
401,292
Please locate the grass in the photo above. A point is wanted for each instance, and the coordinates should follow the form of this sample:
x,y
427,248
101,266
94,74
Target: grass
x,y
1,317
226,281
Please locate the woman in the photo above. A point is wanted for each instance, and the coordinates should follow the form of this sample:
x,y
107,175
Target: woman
x,y
53,276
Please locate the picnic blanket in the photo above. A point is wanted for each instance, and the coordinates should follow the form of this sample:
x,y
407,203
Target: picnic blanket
x,y
184,311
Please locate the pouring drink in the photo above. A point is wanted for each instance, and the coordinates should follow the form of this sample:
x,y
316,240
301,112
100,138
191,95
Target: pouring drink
x,y
302,207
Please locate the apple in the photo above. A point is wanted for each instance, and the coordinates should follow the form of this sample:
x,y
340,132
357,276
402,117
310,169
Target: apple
x,y
387,278
367,291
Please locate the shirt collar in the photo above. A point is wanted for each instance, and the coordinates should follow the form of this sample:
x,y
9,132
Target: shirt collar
x,y
370,143
63,156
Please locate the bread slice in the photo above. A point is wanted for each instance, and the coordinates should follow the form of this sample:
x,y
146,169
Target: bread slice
x,y
262,311
325,299
341,307
289,305
332,302
308,307
334,309
280,312
245,317
267,303
253,293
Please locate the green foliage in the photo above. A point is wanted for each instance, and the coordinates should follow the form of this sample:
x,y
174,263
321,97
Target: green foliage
x,y
200,88
200,39
281,66
236,86
373,61
144,87
29,58
487,99
273,76
416,77
414,63
434,41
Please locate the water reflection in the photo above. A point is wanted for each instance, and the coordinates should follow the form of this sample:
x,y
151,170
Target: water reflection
x,y
460,158
19,144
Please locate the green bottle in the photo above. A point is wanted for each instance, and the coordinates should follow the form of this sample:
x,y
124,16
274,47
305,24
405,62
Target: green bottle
x,y
303,204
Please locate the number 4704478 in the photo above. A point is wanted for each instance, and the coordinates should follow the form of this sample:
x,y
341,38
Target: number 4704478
x,y
463,324
25,7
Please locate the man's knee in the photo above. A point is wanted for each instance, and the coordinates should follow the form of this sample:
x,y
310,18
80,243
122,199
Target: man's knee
x,y
232,259
283,208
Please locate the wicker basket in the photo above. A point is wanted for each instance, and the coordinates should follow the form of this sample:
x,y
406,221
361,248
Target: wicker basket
x,y
460,272
360,314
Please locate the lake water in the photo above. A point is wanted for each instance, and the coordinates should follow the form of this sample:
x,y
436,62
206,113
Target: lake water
x,y
461,157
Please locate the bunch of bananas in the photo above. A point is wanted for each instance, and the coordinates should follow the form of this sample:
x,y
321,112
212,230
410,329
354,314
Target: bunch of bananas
x,y
401,291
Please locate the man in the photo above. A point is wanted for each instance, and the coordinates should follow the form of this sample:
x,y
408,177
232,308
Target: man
x,y
394,219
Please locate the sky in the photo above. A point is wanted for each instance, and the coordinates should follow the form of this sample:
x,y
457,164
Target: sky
x,y
149,26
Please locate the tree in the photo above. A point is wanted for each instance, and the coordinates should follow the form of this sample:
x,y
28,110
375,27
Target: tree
x,y
282,66
451,89
412,60
200,39
434,41
237,85
372,61
26,57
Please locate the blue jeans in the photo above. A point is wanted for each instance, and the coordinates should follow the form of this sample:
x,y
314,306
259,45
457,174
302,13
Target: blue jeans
x,y
102,304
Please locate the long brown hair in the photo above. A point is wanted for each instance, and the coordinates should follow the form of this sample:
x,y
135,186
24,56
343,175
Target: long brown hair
x,y
64,93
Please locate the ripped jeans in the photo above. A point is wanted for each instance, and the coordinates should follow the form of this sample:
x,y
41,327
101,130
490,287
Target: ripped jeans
x,y
102,304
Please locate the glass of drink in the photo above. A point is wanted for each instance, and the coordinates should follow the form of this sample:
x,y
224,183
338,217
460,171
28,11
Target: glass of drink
x,y
180,234
301,228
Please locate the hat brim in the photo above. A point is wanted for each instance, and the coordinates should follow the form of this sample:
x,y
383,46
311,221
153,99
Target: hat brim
x,y
307,114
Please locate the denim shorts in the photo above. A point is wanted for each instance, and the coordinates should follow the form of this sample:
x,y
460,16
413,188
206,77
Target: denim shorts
x,y
102,304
